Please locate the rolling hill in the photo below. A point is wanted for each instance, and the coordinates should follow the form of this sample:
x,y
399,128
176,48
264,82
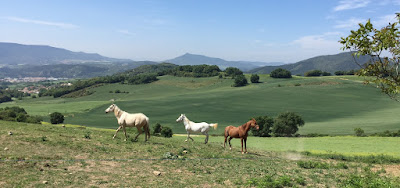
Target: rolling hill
x,y
328,63
333,105
193,59
18,60
16,54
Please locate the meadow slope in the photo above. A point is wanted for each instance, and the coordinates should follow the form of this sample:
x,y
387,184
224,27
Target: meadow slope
x,y
333,105
75,156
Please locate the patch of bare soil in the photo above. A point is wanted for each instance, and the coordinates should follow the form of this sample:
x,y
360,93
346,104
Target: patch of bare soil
x,y
393,170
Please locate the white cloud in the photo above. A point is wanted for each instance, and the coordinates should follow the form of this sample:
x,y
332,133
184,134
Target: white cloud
x,y
350,23
384,21
41,22
327,42
125,32
351,4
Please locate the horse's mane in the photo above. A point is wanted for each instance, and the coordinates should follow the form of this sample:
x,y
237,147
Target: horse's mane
x,y
119,111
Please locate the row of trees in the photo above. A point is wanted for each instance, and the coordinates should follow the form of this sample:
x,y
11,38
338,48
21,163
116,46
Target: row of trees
x,y
194,71
283,73
6,94
285,125
18,114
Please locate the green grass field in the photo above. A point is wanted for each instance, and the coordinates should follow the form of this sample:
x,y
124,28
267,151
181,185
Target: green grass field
x,y
75,156
333,105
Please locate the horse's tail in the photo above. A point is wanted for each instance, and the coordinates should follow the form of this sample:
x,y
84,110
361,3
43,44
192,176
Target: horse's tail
x,y
147,127
215,125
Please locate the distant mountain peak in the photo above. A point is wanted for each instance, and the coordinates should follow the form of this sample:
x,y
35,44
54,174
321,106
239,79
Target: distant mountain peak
x,y
196,59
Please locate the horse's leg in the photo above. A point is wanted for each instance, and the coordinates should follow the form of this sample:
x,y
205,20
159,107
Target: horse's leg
x,y
139,132
187,137
126,137
206,141
241,140
230,145
119,128
225,140
245,145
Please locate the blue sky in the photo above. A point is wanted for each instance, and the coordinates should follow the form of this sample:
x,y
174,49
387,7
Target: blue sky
x,y
256,30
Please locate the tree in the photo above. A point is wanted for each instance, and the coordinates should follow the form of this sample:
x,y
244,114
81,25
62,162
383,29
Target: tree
x,y
280,73
265,123
313,73
240,80
157,129
166,132
383,70
233,71
287,124
326,74
254,78
56,118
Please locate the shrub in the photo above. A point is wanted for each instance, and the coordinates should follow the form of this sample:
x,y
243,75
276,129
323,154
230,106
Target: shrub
x,y
233,71
21,117
359,132
313,73
157,129
240,80
326,74
166,132
280,73
254,78
56,118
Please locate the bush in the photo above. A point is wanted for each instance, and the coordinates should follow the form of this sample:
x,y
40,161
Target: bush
x,y
254,78
233,71
280,73
313,73
265,123
166,132
240,80
56,118
157,129
359,132
326,74
287,124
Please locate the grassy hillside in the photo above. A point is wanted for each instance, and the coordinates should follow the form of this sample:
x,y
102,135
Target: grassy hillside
x,y
329,105
73,156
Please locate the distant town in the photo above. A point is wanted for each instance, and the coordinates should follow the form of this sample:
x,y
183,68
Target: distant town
x,y
30,79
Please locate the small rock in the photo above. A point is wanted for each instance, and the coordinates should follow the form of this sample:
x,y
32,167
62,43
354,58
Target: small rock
x,y
63,125
157,173
10,133
6,148
45,182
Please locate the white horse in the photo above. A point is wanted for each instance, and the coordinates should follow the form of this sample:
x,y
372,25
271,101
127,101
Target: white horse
x,y
192,127
126,119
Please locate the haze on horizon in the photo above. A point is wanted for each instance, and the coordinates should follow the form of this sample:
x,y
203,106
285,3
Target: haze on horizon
x,y
267,31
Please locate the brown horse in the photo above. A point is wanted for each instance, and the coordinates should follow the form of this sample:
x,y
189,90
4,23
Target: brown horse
x,y
240,132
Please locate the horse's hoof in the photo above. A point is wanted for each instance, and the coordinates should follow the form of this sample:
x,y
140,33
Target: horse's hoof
x,y
242,152
185,140
230,148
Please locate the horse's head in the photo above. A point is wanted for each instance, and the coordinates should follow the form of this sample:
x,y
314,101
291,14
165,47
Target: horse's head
x,y
181,118
253,124
111,108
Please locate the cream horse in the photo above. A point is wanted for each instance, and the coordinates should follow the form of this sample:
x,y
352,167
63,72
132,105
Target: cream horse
x,y
126,119
192,127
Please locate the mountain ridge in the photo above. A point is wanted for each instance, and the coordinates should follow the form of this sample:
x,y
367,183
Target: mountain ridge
x,y
195,59
329,63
